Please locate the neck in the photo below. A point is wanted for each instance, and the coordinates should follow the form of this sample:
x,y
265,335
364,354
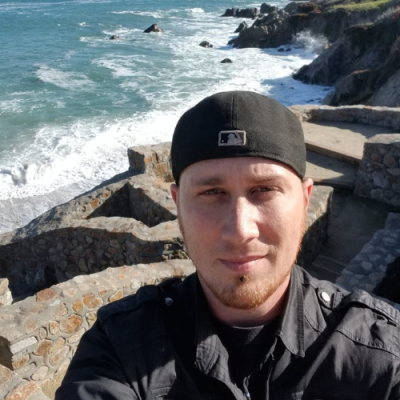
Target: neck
x,y
260,315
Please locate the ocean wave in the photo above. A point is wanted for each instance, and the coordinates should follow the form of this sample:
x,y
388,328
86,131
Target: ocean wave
x,y
141,13
64,80
311,42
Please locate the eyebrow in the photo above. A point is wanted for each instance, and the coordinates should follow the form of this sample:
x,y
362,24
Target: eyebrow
x,y
216,180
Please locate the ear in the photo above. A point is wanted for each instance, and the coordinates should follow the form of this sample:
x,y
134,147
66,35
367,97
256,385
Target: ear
x,y
174,192
307,188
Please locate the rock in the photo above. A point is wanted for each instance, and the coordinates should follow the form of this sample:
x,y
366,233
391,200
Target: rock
x,y
281,49
153,28
226,61
230,12
291,8
206,44
288,49
243,13
306,8
242,26
114,37
388,95
266,8
362,66
248,13
281,26
5,293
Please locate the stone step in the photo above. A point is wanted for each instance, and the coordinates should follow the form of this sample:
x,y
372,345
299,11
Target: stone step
x,y
327,268
343,141
330,172
342,155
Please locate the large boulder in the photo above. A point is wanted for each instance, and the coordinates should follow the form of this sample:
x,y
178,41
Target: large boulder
x,y
247,13
388,95
153,28
206,44
230,12
243,13
292,8
242,26
267,8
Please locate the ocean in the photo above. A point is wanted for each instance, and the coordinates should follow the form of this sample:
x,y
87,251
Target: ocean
x,y
72,100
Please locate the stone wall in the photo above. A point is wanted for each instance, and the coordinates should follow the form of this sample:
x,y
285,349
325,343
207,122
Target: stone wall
x,y
153,160
368,268
13,387
379,172
5,293
124,223
58,265
39,335
381,116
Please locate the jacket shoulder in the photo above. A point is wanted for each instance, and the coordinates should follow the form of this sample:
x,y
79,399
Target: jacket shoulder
x,y
138,319
359,316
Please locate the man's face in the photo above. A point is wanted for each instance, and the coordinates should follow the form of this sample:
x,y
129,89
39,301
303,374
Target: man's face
x,y
242,221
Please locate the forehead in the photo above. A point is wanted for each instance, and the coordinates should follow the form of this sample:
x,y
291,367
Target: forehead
x,y
235,170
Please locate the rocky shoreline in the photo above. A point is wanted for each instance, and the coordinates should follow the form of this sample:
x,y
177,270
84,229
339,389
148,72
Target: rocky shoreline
x,y
57,271
361,58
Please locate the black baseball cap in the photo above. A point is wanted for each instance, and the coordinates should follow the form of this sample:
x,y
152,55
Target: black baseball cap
x,y
238,124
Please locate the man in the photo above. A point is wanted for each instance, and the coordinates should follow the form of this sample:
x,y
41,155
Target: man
x,y
250,324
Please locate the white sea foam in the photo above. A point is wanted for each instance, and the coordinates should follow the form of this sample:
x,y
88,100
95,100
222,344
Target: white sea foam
x,y
65,80
312,43
141,13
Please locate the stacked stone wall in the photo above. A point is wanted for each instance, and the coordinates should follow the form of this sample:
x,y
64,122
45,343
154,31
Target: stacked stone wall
x,y
153,160
13,387
39,335
369,267
151,205
89,247
378,176
381,116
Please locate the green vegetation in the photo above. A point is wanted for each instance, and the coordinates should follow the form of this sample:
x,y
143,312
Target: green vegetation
x,y
363,5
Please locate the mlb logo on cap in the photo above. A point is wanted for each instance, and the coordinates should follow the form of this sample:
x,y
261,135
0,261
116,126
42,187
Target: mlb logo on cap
x,y
232,138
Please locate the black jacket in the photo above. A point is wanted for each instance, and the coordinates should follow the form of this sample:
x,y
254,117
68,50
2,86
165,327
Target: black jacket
x,y
161,344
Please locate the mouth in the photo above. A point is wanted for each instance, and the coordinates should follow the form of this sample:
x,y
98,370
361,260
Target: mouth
x,y
242,264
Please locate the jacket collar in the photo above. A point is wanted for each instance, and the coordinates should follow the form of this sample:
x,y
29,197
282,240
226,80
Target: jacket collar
x,y
209,348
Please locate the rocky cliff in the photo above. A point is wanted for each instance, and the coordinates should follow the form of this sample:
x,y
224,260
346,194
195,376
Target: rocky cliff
x,y
363,64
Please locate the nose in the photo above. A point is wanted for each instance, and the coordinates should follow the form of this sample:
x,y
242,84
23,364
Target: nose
x,y
240,222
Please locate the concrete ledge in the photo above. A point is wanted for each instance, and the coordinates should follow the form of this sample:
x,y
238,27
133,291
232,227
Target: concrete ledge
x,y
382,116
350,158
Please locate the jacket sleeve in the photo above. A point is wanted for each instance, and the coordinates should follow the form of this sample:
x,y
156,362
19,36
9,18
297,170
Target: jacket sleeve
x,y
95,372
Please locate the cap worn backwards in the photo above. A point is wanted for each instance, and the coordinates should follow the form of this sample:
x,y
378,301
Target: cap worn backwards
x,y
238,124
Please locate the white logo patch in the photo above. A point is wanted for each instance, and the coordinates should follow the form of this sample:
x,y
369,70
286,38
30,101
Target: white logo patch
x,y
232,138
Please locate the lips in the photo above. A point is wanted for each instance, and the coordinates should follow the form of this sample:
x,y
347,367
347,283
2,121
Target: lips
x,y
242,264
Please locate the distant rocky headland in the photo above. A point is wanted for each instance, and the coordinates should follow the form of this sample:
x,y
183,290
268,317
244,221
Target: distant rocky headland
x,y
362,57
58,270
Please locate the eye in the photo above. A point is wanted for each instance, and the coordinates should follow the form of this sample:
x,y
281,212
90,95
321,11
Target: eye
x,y
264,189
211,192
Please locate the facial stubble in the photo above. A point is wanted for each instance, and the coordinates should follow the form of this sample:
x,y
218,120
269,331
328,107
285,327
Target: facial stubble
x,y
246,292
